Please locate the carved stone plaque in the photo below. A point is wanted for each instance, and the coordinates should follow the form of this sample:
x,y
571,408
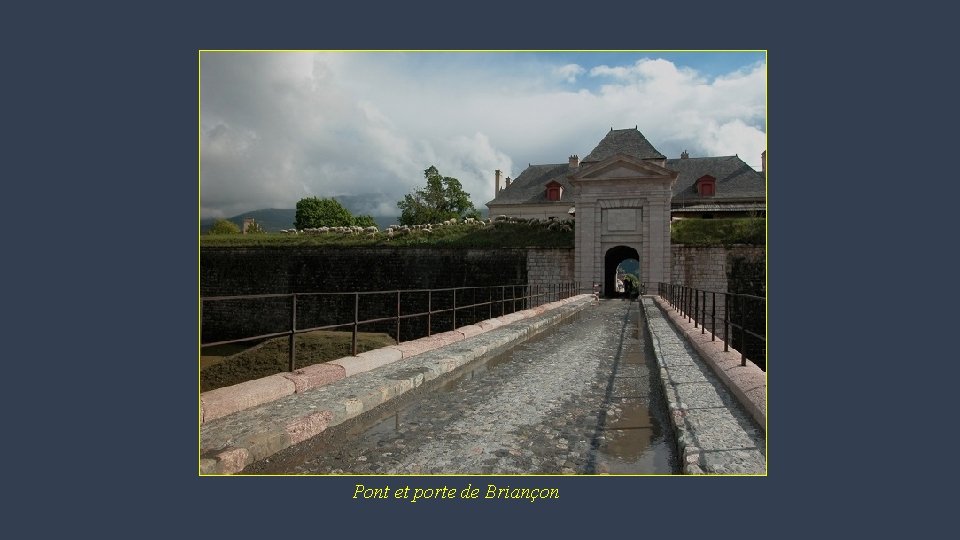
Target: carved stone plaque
x,y
621,219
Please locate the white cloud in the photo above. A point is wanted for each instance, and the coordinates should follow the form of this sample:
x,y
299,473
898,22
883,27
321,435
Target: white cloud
x,y
276,127
569,72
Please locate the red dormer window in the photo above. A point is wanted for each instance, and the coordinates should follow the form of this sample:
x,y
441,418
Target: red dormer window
x,y
554,191
706,186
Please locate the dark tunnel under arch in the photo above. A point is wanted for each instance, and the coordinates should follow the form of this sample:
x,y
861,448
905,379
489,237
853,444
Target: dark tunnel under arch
x,y
612,260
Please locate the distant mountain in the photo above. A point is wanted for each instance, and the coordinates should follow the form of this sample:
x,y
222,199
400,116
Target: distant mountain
x,y
272,220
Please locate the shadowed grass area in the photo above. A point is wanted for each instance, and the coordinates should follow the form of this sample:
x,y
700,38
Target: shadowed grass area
x,y
719,232
225,365
499,235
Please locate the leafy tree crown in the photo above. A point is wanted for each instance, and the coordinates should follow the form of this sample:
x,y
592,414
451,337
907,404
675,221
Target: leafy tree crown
x,y
315,212
442,198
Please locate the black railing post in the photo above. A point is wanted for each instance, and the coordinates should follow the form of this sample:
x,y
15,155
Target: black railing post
x,y
696,306
489,303
743,333
703,314
356,318
713,317
293,334
398,317
454,308
726,322
429,311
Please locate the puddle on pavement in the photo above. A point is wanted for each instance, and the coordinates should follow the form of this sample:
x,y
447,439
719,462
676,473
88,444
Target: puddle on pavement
x,y
636,439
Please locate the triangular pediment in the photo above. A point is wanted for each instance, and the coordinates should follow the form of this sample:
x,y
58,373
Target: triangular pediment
x,y
621,166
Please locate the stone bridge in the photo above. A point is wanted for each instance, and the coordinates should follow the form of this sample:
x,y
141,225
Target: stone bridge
x,y
578,386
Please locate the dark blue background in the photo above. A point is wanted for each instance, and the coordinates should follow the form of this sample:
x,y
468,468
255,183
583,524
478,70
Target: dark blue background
x,y
101,125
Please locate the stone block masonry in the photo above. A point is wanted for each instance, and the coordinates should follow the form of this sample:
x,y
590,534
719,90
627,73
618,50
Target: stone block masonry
x,y
546,266
286,270
734,269
715,268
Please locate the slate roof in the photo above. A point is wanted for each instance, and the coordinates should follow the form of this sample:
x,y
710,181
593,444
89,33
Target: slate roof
x,y
735,179
531,186
623,141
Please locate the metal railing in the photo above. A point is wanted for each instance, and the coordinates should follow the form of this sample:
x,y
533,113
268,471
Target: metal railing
x,y
496,299
742,314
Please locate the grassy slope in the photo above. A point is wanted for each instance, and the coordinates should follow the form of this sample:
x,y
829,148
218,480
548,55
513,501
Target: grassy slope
x,y
271,356
718,232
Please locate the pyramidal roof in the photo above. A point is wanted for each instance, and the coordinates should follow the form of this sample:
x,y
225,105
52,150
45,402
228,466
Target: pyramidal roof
x,y
623,141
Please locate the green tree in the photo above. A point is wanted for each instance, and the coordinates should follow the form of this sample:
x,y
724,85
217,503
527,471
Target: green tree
x,y
365,221
442,198
224,226
314,212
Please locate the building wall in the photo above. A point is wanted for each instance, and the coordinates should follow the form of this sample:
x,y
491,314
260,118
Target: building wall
x,y
733,269
713,268
286,270
648,232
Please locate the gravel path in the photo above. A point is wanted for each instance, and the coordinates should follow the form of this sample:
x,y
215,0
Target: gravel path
x,y
575,399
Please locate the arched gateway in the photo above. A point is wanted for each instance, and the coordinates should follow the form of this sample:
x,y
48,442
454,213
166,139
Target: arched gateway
x,y
620,194
623,192
612,260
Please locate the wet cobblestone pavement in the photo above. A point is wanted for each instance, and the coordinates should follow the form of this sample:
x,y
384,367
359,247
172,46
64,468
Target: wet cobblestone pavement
x,y
579,398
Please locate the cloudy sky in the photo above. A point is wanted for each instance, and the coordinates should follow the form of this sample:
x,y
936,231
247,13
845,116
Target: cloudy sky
x,y
277,127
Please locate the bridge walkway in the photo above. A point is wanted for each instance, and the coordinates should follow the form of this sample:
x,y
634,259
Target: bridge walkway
x,y
582,397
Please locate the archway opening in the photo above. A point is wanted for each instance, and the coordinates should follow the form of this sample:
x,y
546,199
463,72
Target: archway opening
x,y
616,258
628,278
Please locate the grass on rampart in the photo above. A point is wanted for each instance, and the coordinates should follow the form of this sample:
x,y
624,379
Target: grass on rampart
x,y
718,232
499,235
225,365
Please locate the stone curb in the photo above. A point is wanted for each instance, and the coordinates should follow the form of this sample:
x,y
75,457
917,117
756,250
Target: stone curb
x,y
315,375
233,444
690,453
223,401
366,361
747,383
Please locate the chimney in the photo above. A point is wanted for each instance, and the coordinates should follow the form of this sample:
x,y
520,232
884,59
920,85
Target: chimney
x,y
684,155
508,181
574,161
497,185
763,161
